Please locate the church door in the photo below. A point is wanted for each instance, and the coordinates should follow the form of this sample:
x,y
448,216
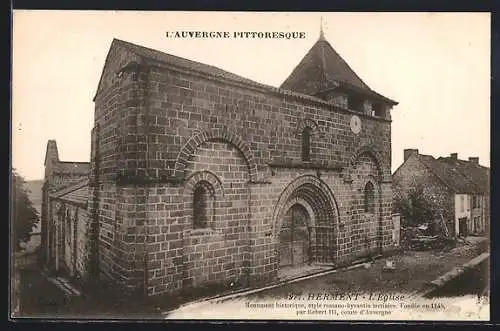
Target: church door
x,y
294,237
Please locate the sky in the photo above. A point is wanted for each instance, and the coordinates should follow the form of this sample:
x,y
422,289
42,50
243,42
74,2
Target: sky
x,y
436,65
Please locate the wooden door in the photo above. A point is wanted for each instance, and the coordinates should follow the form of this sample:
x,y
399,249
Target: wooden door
x,y
294,238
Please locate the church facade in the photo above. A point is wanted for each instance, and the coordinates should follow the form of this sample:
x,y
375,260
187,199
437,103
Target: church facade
x,y
199,177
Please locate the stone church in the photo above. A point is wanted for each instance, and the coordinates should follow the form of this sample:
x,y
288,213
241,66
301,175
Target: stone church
x,y
201,178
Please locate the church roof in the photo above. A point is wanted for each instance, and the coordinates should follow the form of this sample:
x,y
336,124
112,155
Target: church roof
x,y
322,69
176,61
150,55
154,56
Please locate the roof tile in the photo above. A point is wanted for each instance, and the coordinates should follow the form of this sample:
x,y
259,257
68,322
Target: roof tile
x,y
347,76
461,176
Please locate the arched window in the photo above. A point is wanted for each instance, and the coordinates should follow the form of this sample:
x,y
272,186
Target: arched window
x,y
369,198
202,205
306,144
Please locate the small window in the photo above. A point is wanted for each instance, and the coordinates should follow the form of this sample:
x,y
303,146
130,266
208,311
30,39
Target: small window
x,y
378,110
462,203
306,144
202,205
355,103
369,198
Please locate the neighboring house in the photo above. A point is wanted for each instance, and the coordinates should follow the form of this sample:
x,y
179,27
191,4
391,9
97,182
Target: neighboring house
x,y
61,237
458,189
199,177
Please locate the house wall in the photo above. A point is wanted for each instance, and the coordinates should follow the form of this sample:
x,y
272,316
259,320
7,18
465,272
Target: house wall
x,y
55,178
413,174
479,215
83,245
462,210
68,240
476,216
158,127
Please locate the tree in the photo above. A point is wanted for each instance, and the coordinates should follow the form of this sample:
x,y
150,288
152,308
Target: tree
x,y
24,215
415,207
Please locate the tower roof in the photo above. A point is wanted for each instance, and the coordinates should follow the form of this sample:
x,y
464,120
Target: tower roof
x,y
321,69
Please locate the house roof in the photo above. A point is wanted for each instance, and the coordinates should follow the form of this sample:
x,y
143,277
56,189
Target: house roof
x,y
323,69
155,56
473,172
460,176
76,193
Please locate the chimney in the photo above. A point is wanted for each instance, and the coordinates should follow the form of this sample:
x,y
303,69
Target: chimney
x,y
51,155
454,156
408,153
474,160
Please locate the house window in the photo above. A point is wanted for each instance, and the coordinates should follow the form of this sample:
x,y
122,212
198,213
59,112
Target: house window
x,y
462,203
306,144
369,198
202,205
477,226
475,202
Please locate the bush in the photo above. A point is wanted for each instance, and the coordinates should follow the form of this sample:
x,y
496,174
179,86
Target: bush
x,y
414,208
24,215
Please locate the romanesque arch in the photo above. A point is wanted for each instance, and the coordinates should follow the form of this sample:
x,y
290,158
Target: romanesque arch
x,y
214,135
367,164
207,176
308,123
305,204
311,189
318,200
375,156
214,188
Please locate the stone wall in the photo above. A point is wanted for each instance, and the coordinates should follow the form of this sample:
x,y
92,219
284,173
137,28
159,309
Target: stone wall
x,y
83,243
68,230
169,108
60,180
412,174
160,130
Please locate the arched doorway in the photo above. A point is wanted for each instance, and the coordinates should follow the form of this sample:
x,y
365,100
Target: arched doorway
x,y
294,237
306,221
